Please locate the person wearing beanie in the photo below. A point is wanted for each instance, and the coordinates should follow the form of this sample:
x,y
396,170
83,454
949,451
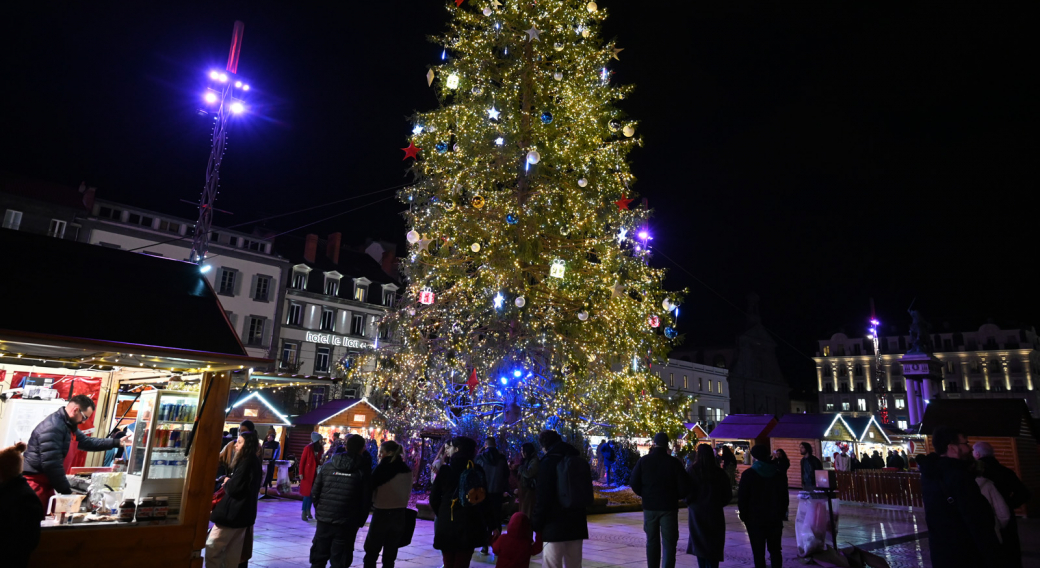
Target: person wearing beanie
x,y
312,453
762,503
20,522
660,479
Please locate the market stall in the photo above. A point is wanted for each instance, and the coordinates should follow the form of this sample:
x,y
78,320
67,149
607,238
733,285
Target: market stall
x,y
870,437
346,416
740,432
825,433
696,434
107,325
1005,423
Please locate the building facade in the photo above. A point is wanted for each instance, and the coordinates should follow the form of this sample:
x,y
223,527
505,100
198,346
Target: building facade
x,y
44,208
333,306
707,384
988,363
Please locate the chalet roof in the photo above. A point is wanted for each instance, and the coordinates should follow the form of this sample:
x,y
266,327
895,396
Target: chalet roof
x,y
806,426
1008,417
65,289
860,424
330,409
744,427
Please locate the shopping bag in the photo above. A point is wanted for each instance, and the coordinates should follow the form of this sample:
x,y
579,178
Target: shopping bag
x,y
409,527
810,525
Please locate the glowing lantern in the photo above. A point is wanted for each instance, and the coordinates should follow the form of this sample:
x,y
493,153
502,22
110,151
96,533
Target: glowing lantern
x,y
453,81
557,268
654,321
426,296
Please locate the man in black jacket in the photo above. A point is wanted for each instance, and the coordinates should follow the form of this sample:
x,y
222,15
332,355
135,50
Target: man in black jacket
x,y
562,529
661,481
342,495
810,464
762,503
1015,494
496,470
960,520
49,444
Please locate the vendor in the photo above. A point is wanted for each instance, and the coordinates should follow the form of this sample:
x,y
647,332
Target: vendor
x,y
49,444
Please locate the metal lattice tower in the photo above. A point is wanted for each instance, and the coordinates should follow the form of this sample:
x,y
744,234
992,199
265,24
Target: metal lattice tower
x,y
879,373
221,94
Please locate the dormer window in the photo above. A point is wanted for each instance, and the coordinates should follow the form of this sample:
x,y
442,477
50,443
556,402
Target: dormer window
x,y
299,276
361,289
332,283
389,295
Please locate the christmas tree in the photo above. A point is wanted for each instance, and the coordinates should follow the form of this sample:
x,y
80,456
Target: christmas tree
x,y
530,302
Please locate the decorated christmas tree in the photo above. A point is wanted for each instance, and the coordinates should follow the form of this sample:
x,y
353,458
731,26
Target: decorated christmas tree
x,y
530,301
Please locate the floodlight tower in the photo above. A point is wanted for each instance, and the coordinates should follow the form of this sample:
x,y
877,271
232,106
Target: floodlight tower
x,y
879,374
223,98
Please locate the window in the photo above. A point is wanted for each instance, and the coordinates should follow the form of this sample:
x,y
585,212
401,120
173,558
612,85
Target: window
x,y
317,397
998,385
226,286
384,330
289,353
830,406
843,387
709,385
56,228
828,387
700,412
841,349
843,371
900,403
671,379
388,298
258,246
359,292
321,360
263,289
255,331
976,386
357,326
860,388
169,226
137,219
951,368
109,213
685,382
947,345
856,349
299,279
859,370
700,383
826,350
845,405
12,219
328,318
331,286
827,370
295,314
953,386
902,423
720,387
861,404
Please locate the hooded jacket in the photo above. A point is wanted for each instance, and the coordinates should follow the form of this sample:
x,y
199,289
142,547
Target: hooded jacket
x,y
960,520
660,480
49,444
514,548
342,491
762,498
391,484
553,522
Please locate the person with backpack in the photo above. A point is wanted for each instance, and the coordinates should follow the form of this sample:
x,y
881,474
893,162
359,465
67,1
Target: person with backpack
x,y
527,477
459,502
391,486
342,495
496,469
659,478
762,503
564,490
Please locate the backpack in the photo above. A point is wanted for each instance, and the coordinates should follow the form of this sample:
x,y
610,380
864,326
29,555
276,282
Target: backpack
x,y
472,486
574,482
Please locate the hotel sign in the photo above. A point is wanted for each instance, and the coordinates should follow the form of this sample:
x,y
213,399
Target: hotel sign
x,y
336,340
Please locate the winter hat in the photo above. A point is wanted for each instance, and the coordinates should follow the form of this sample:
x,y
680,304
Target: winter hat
x,y
760,452
11,462
316,437
661,439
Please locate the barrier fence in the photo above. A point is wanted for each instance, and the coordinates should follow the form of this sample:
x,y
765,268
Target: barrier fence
x,y
881,487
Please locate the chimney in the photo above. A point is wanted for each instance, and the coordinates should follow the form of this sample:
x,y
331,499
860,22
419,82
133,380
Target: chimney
x,y
88,195
310,248
389,262
332,250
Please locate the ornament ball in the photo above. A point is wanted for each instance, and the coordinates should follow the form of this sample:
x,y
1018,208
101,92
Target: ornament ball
x,y
592,7
487,11
511,219
412,236
558,46
520,301
629,131
583,316
533,157
547,117
475,247
583,182
670,332
442,147
558,76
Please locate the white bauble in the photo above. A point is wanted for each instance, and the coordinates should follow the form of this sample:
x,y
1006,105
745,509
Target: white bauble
x,y
629,131
558,76
558,46
533,157
520,301
412,236
487,11
668,305
583,182
475,247
585,33
583,316
592,7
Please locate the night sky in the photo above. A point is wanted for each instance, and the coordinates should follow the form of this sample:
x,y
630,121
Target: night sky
x,y
819,155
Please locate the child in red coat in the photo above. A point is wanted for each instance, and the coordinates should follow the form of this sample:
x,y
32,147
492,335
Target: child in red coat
x,y
514,548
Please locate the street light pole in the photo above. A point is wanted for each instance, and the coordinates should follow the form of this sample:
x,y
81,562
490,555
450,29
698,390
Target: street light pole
x,y
223,87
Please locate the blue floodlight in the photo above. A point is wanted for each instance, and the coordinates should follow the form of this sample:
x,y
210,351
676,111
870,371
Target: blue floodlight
x,y
503,380
518,373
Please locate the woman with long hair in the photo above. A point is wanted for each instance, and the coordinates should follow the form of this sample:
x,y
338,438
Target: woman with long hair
x,y
710,492
392,486
236,511
781,460
729,464
526,474
458,529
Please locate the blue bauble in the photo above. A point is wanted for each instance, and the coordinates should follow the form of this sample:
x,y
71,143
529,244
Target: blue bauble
x,y
670,332
546,117
511,219
442,147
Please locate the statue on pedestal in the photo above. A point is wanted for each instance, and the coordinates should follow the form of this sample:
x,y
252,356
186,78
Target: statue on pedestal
x,y
920,333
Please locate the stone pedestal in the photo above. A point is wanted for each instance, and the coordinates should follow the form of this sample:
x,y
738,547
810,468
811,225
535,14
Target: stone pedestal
x,y
920,369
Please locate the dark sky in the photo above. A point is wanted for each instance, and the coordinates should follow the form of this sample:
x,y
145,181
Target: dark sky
x,y
819,155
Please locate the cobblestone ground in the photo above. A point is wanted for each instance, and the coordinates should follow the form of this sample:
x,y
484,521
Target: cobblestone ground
x,y
282,540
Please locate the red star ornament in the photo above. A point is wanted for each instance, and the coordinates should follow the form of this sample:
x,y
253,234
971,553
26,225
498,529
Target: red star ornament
x,y
622,204
459,3
412,151
472,382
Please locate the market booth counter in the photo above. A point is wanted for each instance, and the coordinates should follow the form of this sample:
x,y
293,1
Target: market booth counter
x,y
160,327
1005,423
825,433
346,416
741,432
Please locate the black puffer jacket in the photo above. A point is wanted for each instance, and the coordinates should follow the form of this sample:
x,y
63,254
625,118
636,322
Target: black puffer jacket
x,y
49,444
551,520
960,520
238,507
660,480
342,491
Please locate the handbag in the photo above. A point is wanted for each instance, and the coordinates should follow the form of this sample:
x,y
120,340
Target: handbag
x,y
409,527
216,498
